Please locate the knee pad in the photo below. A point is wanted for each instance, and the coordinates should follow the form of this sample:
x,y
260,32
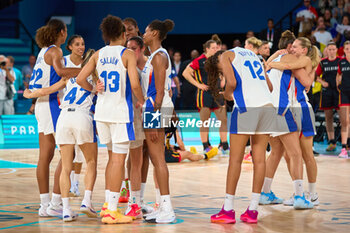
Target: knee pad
x,y
121,148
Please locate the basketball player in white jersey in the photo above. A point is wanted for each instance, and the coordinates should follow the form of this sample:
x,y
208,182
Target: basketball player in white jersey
x,y
116,68
287,137
253,115
156,84
75,126
135,153
76,46
308,58
47,71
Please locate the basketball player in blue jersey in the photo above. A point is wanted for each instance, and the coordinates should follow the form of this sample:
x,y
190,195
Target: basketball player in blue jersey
x,y
116,67
286,138
47,71
253,115
308,58
75,126
155,83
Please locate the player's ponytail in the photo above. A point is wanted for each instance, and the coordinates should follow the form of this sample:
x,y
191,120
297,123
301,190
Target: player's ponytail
x,y
211,67
217,39
86,59
312,51
47,35
162,26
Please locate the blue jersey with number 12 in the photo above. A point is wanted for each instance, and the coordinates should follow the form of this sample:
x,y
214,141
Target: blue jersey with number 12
x,y
252,90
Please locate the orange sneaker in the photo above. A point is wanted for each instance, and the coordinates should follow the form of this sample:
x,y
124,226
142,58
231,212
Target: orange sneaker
x,y
114,217
134,211
104,208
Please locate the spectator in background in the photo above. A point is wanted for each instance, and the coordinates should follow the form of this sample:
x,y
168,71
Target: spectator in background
x,y
177,61
329,21
224,47
249,34
18,84
188,91
271,35
323,5
237,43
322,36
341,28
338,11
27,71
6,92
264,51
306,16
171,53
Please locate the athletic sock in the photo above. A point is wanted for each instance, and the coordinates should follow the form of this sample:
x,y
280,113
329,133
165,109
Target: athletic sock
x,y
229,202
332,141
298,187
142,192
76,178
65,203
157,196
348,142
343,146
123,185
205,145
165,202
224,145
107,191
136,197
45,198
267,185
312,187
113,200
56,199
254,202
72,180
87,198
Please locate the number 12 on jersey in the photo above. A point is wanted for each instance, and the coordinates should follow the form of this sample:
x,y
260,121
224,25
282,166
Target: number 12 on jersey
x,y
258,73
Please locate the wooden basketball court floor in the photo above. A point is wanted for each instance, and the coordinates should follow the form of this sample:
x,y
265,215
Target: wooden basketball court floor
x,y
197,190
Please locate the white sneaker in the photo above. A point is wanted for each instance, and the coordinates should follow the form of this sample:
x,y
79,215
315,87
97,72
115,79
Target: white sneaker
x,y
54,210
151,217
313,198
88,210
166,216
290,201
146,209
42,211
69,216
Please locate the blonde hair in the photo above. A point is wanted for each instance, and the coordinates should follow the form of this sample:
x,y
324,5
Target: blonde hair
x,y
86,59
312,50
255,42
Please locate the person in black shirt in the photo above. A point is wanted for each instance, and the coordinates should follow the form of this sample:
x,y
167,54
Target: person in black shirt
x,y
328,68
343,84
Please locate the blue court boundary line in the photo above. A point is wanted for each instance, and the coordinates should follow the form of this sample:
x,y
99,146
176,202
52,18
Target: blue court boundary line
x,y
19,163
29,224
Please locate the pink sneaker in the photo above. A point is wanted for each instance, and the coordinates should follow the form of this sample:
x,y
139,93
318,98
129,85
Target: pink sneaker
x,y
134,211
343,154
224,216
250,216
247,158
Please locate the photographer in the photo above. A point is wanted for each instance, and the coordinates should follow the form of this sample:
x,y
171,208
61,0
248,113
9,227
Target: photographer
x,y
6,90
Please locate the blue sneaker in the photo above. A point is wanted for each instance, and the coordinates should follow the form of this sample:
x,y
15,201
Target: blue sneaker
x,y
88,210
269,198
300,203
